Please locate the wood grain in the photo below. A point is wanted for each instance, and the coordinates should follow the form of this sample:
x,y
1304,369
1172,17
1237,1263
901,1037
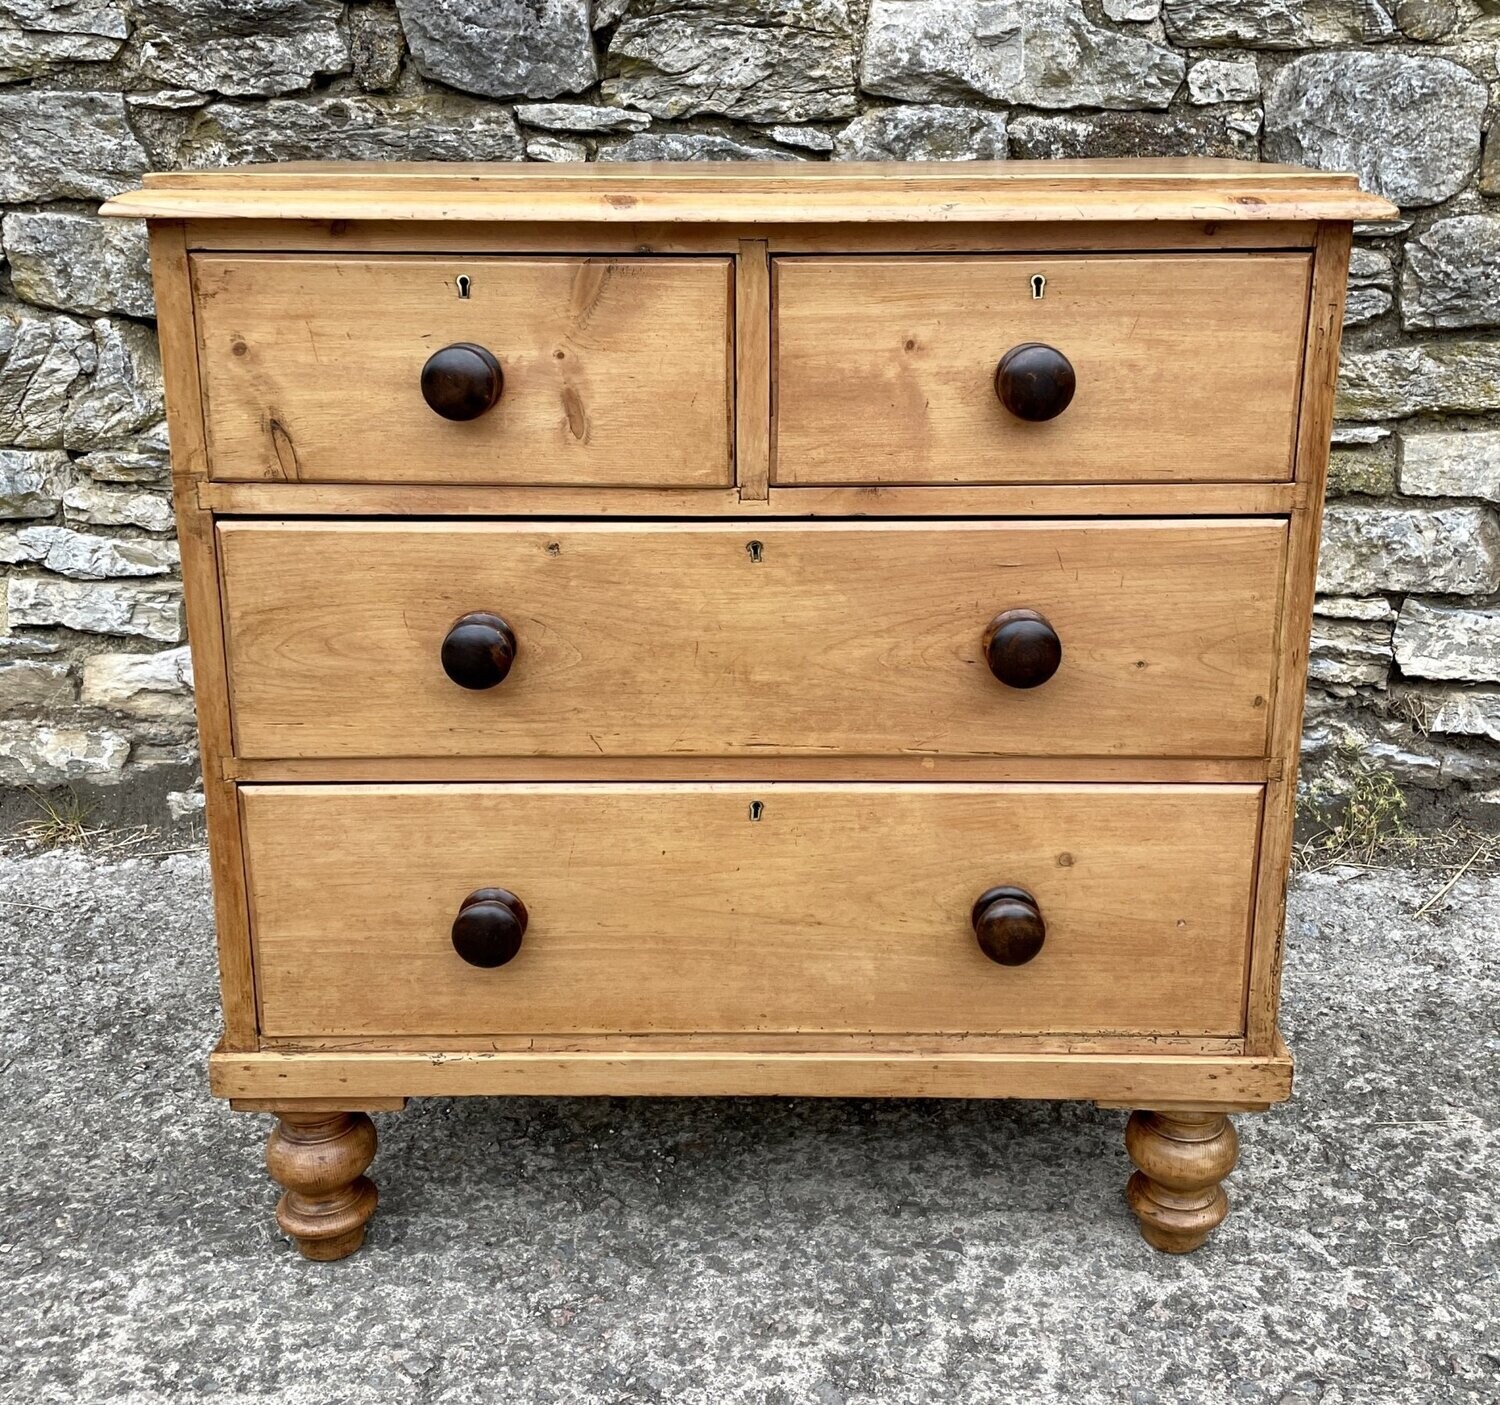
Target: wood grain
x,y
683,908
1135,1079
1180,1159
752,381
195,535
1173,188
617,371
1187,368
363,236
825,767
854,639
1319,384
982,500
319,1158
751,1042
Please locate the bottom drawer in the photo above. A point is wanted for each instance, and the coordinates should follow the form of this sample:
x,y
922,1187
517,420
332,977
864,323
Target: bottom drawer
x,y
734,907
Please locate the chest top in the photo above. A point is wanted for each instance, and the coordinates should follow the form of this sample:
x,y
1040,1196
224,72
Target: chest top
x,y
778,193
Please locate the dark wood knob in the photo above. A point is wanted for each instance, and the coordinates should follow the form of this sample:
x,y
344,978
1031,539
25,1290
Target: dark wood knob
x,y
1035,381
489,927
1009,925
478,650
462,381
1022,649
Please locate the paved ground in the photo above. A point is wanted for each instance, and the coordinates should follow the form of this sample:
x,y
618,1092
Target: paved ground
x,y
743,1251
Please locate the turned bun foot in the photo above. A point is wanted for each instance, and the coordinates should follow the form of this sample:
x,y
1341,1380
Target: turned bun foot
x,y
320,1158
1180,1158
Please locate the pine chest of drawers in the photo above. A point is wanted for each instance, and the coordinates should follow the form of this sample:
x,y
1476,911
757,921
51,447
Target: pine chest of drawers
x,y
798,630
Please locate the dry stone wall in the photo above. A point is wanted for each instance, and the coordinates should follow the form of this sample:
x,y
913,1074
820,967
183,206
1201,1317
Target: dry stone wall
x,y
95,684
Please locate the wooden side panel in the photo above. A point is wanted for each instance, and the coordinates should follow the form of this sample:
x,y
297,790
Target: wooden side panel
x,y
736,907
1186,368
617,371
195,534
1319,383
752,639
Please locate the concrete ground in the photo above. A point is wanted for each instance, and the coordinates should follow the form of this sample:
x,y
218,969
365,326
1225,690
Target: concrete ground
x,y
737,1250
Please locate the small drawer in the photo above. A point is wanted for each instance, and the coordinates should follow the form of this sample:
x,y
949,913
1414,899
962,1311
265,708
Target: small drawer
x,y
1151,368
461,638
772,908
608,372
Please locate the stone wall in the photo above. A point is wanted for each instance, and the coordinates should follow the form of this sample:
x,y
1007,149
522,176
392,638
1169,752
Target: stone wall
x,y
95,685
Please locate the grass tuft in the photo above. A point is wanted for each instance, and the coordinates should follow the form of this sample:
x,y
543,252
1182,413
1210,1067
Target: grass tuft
x,y
62,821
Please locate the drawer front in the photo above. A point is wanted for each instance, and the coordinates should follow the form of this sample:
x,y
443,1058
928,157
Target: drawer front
x,y
749,639
669,909
613,372
1186,368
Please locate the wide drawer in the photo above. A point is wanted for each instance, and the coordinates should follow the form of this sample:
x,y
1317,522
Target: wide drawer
x,y
613,371
1187,368
750,639
682,908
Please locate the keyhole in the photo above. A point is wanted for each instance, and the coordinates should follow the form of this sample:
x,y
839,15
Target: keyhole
x,y
757,809
1038,285
464,285
755,549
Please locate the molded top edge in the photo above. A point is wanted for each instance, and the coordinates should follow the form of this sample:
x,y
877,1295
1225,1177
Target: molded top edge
x,y
764,192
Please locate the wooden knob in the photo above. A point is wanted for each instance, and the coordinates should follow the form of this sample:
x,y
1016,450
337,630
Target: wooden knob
x,y
462,381
488,929
1009,925
1022,649
478,650
1035,381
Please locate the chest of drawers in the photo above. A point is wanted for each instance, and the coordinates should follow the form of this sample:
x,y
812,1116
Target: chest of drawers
x,y
779,630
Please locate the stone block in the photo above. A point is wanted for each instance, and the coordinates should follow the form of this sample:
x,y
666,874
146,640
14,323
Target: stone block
x,y
1277,24
502,48
1449,641
112,507
1451,464
1451,276
27,684
1350,652
43,357
1219,80
79,263
427,127
689,146
241,48
1408,124
97,607
756,60
1453,377
1369,549
923,133
31,482
1044,53
141,685
44,755
57,145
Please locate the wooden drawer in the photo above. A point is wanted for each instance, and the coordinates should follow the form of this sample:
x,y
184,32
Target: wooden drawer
x,y
616,371
669,908
1187,368
750,639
